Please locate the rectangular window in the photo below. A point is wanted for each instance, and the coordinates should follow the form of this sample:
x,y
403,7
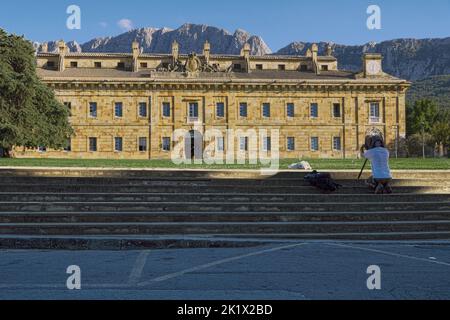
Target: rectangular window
x,y
93,144
144,65
314,144
166,143
290,143
166,109
142,109
69,107
325,67
50,64
290,110
220,144
193,110
303,67
118,144
42,149
259,67
243,143
142,144
314,110
118,110
243,110
281,67
74,64
121,66
374,116
336,110
337,143
237,67
68,146
220,110
267,144
97,64
266,110
93,109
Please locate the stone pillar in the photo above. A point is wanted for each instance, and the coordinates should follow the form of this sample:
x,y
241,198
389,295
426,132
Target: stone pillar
x,y
314,55
136,52
246,55
44,47
207,51
62,54
175,50
329,50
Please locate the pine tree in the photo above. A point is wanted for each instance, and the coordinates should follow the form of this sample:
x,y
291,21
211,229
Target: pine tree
x,y
30,115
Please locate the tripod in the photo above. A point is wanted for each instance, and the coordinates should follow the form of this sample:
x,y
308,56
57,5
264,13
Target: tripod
x,y
362,169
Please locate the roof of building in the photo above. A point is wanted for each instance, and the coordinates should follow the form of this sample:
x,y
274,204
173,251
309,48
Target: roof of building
x,y
92,74
255,74
165,55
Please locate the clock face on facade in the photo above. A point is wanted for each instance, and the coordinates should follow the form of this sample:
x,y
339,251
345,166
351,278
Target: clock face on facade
x,y
373,67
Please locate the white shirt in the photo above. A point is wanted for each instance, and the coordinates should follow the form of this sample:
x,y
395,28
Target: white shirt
x,y
379,158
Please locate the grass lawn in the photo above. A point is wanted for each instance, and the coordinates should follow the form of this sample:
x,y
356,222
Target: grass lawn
x,y
320,164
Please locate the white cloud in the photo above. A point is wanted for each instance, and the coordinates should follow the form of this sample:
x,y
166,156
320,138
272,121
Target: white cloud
x,y
125,24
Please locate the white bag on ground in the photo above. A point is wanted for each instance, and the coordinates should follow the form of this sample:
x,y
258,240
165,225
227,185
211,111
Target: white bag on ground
x,y
304,165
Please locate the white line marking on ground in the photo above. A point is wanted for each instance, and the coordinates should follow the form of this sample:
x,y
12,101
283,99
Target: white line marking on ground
x,y
138,267
215,263
388,253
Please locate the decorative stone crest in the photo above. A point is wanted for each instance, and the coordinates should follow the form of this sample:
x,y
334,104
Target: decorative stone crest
x,y
193,63
192,66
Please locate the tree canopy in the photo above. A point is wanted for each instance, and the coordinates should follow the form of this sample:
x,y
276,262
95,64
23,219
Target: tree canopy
x,y
30,115
425,118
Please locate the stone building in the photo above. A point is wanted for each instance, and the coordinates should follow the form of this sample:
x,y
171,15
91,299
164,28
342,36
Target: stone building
x,y
128,105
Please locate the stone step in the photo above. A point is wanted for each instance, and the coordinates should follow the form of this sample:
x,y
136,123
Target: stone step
x,y
346,189
204,173
366,236
222,228
210,182
216,197
123,242
180,217
208,206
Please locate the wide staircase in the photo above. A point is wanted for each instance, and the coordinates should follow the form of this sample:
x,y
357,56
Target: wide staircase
x,y
60,208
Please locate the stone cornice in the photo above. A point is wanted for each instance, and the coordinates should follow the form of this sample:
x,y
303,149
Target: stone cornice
x,y
235,85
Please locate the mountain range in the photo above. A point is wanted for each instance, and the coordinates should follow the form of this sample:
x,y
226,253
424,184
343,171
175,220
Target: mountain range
x,y
411,59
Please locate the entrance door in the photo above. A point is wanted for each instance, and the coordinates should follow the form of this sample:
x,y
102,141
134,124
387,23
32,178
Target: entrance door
x,y
194,145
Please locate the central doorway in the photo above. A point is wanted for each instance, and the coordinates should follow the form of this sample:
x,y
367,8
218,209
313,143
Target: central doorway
x,y
193,145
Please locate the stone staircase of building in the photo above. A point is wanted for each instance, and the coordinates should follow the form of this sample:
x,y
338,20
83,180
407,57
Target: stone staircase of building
x,y
49,208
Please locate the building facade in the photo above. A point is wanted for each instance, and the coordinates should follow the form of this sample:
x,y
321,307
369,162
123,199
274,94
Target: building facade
x,y
128,106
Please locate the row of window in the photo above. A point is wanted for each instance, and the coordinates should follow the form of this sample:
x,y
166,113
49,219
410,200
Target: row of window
x,y
144,65
97,64
374,112
266,110
118,144
290,110
290,144
243,144
118,109
282,67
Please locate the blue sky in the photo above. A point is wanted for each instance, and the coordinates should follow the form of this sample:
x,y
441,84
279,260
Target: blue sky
x,y
278,22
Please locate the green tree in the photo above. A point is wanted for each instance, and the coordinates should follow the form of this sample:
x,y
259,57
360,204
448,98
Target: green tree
x,y
421,116
420,119
30,115
441,131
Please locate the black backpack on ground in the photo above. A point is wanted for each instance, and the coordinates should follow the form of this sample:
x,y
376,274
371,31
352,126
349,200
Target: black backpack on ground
x,y
322,181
